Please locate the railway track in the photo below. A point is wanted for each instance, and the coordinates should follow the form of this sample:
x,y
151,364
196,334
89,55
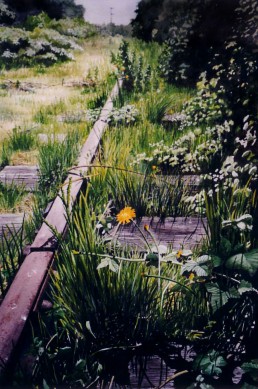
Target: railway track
x,y
25,293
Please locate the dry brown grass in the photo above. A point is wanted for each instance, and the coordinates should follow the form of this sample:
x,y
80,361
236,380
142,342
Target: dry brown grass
x,y
24,158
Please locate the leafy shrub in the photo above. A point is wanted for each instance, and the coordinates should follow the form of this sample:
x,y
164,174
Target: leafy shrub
x,y
76,27
41,20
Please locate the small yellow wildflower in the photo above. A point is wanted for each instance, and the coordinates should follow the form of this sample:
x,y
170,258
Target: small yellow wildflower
x,y
179,253
125,215
154,167
126,77
146,227
191,276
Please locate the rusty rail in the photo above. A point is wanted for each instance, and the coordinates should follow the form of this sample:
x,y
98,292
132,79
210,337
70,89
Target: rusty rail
x,y
27,288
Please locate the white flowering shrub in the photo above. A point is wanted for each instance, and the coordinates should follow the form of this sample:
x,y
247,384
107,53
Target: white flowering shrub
x,y
6,15
41,46
118,116
43,41
194,152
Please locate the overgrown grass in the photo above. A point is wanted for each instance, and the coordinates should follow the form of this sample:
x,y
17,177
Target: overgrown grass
x,y
11,245
22,140
54,160
10,196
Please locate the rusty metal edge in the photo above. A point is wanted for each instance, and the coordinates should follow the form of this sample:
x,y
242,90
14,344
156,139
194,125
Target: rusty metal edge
x,y
28,286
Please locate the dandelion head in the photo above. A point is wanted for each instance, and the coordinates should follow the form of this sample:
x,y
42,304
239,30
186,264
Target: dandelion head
x,y
125,215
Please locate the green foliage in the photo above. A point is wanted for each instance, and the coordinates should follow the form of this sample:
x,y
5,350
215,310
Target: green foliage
x,y
6,14
10,195
21,140
157,105
132,68
54,160
6,154
210,364
41,20
45,41
11,245
55,9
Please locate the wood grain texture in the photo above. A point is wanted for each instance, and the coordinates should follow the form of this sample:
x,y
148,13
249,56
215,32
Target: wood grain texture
x,y
10,221
176,232
26,176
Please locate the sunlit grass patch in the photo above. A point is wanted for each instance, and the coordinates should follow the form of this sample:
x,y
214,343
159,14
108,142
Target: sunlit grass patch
x,y
10,196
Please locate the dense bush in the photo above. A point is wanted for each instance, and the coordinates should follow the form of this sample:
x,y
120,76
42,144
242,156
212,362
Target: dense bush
x,y
44,42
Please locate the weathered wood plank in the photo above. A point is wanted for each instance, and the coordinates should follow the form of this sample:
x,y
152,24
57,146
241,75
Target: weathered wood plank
x,y
19,301
26,176
176,232
10,221
156,373
56,217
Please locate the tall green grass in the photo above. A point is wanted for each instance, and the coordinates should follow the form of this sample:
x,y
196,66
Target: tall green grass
x,y
54,160
11,195
11,245
21,139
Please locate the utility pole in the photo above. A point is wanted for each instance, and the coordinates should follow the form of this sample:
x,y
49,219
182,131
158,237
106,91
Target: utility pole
x,y
111,15
111,23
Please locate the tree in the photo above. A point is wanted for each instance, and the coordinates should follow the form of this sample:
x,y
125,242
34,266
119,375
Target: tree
x,y
54,8
147,15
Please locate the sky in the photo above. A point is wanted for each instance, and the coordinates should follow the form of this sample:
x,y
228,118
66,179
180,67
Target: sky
x,y
98,11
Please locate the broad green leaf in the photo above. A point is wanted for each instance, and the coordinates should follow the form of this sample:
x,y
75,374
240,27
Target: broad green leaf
x,y
204,259
218,297
192,266
252,258
152,259
210,363
104,263
216,261
113,266
225,246
244,287
251,368
238,262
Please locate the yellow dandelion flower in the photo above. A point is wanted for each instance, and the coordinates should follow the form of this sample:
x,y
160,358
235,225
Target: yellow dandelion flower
x,y
154,167
179,253
125,215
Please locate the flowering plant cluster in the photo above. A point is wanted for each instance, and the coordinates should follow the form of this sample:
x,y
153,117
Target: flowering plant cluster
x,y
44,42
131,67
125,115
